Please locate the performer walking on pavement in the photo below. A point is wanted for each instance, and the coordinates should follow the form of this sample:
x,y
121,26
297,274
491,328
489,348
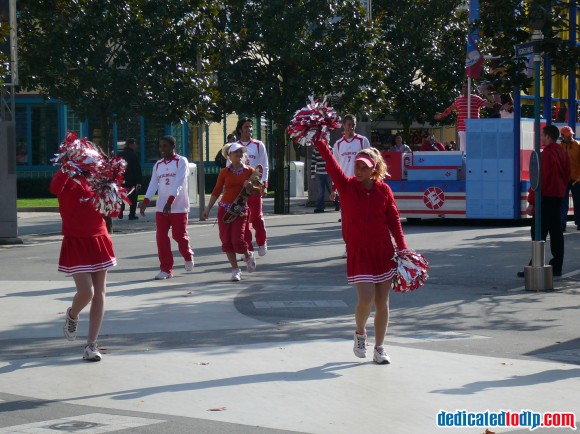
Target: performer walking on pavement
x,y
231,181
169,181
345,150
369,219
86,254
257,155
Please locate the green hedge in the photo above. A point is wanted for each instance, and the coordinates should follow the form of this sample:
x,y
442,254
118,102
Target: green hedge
x,y
39,186
32,185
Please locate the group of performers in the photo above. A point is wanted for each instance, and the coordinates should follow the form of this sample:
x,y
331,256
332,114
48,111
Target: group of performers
x,y
370,223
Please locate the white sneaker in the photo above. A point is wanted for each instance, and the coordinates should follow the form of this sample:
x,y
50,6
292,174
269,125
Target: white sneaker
x,y
92,353
163,275
262,250
381,357
360,345
251,263
236,275
189,265
344,254
70,326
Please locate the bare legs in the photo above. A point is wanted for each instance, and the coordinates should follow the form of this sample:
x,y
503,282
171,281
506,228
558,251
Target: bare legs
x,y
233,259
369,294
90,289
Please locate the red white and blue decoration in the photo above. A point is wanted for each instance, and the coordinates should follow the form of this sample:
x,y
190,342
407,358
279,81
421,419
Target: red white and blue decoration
x,y
473,59
316,119
411,271
101,175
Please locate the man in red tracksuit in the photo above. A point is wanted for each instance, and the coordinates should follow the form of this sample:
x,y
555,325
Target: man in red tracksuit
x,y
555,173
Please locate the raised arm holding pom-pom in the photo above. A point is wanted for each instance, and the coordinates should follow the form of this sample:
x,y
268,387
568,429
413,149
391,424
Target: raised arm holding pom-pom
x,y
369,219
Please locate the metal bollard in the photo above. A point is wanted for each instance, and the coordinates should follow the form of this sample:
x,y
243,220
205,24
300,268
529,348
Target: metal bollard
x,y
538,277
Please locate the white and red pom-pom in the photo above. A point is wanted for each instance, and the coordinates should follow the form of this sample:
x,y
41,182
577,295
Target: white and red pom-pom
x,y
314,119
102,176
411,271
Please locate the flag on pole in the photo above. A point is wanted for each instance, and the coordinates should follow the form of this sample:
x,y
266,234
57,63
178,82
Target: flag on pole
x,y
473,59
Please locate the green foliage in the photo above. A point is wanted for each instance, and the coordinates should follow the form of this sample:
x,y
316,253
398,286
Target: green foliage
x,y
113,57
505,23
4,65
281,51
425,42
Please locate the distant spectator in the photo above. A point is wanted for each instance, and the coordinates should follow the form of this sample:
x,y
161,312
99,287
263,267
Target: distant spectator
x,y
572,148
132,178
488,91
399,146
554,177
323,181
506,110
431,144
220,160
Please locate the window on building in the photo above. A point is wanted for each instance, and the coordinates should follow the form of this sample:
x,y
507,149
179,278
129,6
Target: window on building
x,y
73,122
21,136
154,130
177,132
128,127
44,134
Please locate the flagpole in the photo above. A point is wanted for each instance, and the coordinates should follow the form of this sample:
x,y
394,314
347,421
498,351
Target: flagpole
x,y
468,97
473,16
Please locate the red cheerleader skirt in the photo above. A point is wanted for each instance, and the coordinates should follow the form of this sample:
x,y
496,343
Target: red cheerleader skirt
x,y
86,255
369,263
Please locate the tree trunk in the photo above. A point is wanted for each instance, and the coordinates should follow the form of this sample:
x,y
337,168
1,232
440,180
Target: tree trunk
x,y
106,142
407,135
281,204
107,149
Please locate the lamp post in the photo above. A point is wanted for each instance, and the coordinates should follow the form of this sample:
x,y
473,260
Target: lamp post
x,y
8,209
538,276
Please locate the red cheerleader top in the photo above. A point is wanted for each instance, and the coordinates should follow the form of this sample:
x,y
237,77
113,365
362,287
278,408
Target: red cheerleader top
x,y
79,216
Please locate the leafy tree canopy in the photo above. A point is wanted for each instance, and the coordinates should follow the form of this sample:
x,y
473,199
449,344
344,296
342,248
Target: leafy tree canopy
x,y
425,41
506,23
117,57
4,42
281,51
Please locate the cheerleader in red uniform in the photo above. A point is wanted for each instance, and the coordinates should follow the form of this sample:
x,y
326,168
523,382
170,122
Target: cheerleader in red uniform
x,y
369,219
86,254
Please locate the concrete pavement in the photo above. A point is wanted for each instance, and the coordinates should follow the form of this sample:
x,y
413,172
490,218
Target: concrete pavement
x,y
273,353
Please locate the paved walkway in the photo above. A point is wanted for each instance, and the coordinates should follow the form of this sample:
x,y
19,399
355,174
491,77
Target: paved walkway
x,y
272,353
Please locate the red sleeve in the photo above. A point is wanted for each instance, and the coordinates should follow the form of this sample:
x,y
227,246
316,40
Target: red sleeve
x,y
449,109
58,182
394,221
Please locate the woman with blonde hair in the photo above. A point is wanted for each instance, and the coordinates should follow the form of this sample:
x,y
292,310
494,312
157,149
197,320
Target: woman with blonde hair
x,y
369,219
231,181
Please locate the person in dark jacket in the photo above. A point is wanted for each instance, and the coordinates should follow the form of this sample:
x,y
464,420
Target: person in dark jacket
x,y
133,176
555,174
